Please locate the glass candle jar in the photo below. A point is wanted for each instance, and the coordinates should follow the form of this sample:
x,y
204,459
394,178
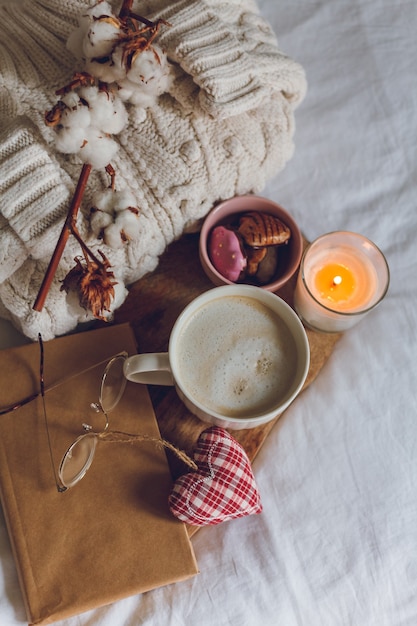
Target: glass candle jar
x,y
342,277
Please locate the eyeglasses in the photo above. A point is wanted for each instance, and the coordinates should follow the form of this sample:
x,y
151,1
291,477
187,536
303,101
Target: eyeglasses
x,y
79,456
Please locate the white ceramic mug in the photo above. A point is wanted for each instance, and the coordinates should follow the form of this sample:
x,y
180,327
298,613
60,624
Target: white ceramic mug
x,y
238,355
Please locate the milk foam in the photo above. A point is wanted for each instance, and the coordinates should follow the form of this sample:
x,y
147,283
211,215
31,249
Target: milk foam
x,y
236,357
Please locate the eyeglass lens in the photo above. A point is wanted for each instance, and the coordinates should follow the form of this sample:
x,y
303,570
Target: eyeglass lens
x,y
113,383
77,459
79,456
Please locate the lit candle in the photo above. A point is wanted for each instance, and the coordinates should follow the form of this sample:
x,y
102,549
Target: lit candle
x,y
342,276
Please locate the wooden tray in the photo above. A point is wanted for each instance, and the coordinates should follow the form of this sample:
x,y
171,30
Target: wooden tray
x,y
153,305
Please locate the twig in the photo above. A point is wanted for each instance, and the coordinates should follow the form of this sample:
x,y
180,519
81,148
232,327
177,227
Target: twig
x,y
63,238
126,11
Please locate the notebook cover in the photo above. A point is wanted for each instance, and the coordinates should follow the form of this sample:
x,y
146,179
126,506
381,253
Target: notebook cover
x,y
111,535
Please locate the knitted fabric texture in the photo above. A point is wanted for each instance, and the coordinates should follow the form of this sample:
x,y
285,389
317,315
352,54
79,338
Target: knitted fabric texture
x,y
224,128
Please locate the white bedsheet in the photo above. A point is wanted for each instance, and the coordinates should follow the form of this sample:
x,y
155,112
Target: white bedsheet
x,y
336,544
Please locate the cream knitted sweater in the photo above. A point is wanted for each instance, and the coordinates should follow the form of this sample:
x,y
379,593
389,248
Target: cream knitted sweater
x,y
224,128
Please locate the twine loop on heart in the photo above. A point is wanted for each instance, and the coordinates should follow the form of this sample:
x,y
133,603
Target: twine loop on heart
x,y
117,436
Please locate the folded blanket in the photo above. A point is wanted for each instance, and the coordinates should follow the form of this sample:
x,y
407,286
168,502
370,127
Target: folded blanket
x,y
224,127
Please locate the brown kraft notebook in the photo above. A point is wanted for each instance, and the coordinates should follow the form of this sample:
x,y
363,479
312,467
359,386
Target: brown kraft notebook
x,y
111,535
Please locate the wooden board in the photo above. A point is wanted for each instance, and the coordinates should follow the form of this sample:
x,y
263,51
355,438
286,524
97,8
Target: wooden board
x,y
153,305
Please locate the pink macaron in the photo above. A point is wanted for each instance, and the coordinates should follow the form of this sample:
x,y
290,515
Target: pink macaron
x,y
226,253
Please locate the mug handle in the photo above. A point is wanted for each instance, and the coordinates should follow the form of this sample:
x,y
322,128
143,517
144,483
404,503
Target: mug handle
x,y
151,368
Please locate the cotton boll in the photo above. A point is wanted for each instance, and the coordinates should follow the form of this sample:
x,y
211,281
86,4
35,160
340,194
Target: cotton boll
x,y
98,150
101,111
101,7
137,95
144,65
149,77
119,117
127,222
101,37
77,114
76,39
118,222
123,229
79,117
112,237
126,90
108,113
104,200
69,140
123,199
75,309
71,99
120,294
150,66
99,220
89,93
138,114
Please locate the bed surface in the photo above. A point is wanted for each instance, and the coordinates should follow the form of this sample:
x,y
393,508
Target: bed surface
x,y
336,542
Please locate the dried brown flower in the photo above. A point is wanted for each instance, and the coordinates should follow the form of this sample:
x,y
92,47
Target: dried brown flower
x,y
93,281
79,79
53,117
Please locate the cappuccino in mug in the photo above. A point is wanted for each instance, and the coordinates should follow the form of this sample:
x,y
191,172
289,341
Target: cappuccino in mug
x,y
238,355
235,356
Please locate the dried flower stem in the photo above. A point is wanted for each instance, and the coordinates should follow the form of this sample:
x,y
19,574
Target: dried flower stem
x,y
69,225
66,231
126,9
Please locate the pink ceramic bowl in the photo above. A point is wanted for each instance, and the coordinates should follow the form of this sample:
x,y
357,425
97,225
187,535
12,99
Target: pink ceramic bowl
x,y
226,213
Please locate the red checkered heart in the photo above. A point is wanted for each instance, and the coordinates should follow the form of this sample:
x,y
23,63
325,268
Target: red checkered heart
x,y
222,488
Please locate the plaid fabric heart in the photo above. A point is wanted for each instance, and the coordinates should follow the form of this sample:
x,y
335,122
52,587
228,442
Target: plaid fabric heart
x,y
223,488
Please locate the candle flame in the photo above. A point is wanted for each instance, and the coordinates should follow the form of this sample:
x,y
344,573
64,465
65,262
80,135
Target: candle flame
x,y
337,280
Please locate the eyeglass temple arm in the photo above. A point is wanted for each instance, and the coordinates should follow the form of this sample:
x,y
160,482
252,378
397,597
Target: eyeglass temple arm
x,y
10,409
34,395
60,488
43,390
42,359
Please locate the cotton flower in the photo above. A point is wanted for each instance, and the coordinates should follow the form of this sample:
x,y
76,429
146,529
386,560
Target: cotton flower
x,y
98,149
120,64
146,65
148,77
84,121
76,116
101,37
69,140
124,228
121,52
94,30
114,217
106,110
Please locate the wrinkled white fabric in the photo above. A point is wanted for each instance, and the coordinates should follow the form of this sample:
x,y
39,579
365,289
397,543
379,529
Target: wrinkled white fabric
x,y
336,542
